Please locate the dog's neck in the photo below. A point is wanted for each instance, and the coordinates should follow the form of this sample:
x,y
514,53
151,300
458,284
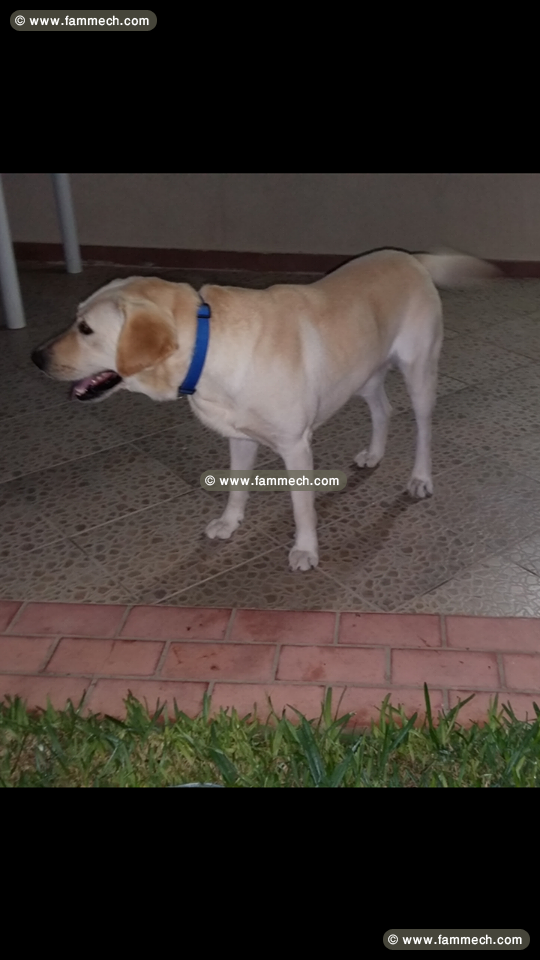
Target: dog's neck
x,y
161,382
200,350
225,360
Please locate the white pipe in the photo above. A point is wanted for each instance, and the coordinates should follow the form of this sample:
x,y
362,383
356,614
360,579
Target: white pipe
x,y
9,280
64,205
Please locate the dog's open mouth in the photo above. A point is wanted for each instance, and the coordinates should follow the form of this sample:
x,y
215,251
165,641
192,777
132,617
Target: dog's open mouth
x,y
96,387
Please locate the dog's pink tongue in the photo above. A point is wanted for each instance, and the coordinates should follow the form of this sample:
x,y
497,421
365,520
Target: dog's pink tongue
x,y
80,387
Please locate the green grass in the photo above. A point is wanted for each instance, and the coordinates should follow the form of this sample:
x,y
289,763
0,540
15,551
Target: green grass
x,y
67,748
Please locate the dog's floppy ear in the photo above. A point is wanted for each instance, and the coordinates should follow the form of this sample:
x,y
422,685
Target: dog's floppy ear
x,y
148,336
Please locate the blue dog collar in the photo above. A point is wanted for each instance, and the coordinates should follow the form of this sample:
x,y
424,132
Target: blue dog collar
x,y
199,351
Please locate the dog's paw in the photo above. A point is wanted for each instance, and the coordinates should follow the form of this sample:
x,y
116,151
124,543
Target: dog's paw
x,y
303,559
419,487
221,529
367,459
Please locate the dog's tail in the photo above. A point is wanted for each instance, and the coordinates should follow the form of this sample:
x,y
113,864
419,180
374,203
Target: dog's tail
x,y
450,269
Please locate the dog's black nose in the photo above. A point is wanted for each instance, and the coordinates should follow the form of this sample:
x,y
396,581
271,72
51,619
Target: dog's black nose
x,y
38,357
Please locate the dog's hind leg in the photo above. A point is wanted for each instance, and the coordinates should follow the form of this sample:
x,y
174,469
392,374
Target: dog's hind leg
x,y
243,456
379,407
420,373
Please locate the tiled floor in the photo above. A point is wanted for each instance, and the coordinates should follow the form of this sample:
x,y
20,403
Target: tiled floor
x,y
103,505
242,658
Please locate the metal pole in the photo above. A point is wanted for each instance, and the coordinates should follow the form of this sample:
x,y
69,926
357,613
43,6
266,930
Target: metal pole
x,y
9,280
64,204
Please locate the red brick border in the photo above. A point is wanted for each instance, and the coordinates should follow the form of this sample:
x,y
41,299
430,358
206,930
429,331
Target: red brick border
x,y
243,657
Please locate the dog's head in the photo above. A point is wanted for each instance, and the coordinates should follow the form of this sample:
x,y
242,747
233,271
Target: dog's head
x,y
130,335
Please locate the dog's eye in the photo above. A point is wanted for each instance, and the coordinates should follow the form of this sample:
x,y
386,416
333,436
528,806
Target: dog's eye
x,y
84,328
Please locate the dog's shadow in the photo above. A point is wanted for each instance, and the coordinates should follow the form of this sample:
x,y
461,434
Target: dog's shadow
x,y
356,535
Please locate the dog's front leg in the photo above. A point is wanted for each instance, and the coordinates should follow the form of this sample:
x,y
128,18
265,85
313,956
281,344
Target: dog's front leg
x,y
243,456
305,553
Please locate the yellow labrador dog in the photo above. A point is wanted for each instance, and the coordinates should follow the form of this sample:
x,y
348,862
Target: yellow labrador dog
x,y
278,362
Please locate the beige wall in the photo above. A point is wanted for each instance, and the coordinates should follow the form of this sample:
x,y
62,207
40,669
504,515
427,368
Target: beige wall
x,y
492,215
